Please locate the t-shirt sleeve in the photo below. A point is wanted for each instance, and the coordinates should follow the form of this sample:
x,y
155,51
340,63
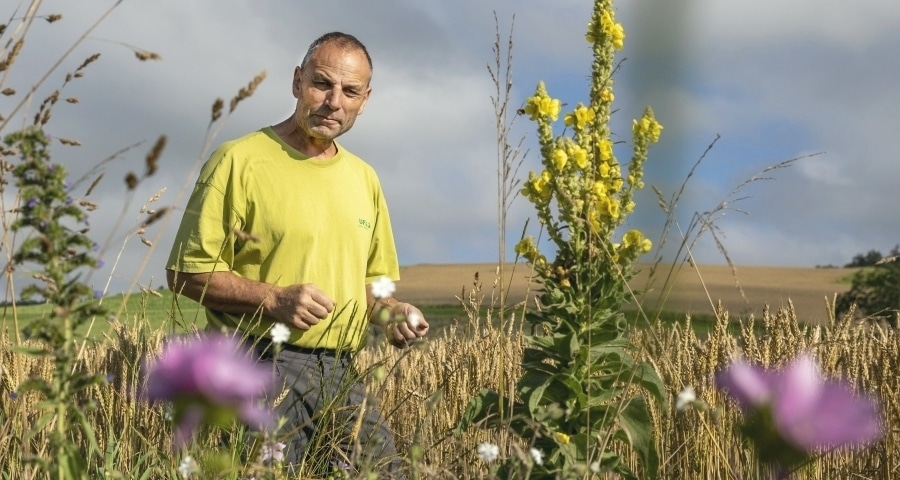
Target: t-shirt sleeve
x,y
383,252
205,241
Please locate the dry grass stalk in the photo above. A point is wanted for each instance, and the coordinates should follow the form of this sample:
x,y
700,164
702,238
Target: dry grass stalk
x,y
11,57
152,159
154,215
217,107
245,236
131,180
70,142
245,92
144,55
93,185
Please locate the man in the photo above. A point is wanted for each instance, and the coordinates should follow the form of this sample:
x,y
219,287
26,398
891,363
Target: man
x,y
286,226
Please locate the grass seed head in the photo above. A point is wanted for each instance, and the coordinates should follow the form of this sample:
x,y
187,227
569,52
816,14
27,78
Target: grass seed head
x,y
144,55
152,160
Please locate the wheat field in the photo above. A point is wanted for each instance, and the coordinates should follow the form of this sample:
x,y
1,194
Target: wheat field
x,y
427,388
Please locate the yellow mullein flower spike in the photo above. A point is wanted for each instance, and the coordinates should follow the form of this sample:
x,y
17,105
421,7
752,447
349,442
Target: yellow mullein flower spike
x,y
582,116
525,246
541,105
632,237
549,107
580,156
604,170
613,209
606,149
614,30
607,96
531,109
647,127
560,158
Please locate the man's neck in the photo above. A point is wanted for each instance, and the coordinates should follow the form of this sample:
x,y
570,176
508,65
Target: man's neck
x,y
314,148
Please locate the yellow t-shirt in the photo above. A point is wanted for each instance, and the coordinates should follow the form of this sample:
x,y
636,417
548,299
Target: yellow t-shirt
x,y
305,221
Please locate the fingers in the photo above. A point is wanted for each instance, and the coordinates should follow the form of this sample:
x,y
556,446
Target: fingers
x,y
408,325
320,305
303,306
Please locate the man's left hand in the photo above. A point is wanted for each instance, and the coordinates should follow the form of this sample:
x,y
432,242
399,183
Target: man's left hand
x,y
407,325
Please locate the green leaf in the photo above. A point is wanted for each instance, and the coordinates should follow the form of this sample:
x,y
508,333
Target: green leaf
x,y
540,341
531,388
537,356
88,431
481,407
35,384
568,346
646,377
637,425
85,381
32,351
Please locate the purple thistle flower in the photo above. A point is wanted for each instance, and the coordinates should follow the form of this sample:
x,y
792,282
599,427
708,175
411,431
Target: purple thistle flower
x,y
31,203
209,378
794,412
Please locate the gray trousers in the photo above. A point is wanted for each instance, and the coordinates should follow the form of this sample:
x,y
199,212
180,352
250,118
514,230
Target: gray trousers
x,y
331,421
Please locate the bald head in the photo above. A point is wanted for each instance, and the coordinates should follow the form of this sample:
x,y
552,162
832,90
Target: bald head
x,y
343,41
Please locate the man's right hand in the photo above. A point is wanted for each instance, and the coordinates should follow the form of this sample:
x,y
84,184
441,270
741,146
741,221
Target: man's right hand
x,y
300,306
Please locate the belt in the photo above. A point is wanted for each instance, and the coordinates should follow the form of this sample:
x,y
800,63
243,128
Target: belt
x,y
266,345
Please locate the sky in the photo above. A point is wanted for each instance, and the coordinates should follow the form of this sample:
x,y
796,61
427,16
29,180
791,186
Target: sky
x,y
764,81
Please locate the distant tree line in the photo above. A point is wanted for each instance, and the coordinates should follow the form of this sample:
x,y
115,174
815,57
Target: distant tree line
x,y
875,288
872,257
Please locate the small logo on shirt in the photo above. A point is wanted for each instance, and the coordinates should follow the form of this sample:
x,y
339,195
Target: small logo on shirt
x,y
365,223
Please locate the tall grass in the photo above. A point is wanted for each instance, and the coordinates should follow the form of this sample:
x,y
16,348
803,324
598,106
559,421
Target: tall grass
x,y
427,388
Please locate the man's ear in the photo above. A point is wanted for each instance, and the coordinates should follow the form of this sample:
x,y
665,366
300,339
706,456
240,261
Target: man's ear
x,y
365,100
295,83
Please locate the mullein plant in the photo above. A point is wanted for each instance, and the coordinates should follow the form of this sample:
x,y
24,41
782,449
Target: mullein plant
x,y
582,396
56,249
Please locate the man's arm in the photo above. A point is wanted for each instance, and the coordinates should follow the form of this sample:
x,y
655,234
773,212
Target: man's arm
x,y
398,329
299,306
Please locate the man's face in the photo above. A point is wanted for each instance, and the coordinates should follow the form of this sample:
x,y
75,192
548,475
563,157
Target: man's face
x,y
331,90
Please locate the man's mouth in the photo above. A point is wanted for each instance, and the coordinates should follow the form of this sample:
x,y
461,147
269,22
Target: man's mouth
x,y
327,120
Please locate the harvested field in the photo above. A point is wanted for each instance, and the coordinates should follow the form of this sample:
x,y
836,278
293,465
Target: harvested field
x,y
808,288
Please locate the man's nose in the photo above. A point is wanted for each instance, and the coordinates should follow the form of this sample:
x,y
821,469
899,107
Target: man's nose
x,y
334,98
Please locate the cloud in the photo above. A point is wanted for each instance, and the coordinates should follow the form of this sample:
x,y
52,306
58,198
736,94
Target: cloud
x,y
776,80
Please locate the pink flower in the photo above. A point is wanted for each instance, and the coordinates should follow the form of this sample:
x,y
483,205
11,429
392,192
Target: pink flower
x,y
806,411
209,378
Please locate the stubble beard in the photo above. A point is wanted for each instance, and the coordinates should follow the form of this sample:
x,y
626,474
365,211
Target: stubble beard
x,y
318,131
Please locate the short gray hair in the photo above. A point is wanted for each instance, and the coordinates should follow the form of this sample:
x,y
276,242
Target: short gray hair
x,y
339,39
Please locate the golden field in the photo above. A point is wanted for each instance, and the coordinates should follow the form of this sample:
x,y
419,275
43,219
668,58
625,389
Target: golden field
x,y
806,287
426,389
